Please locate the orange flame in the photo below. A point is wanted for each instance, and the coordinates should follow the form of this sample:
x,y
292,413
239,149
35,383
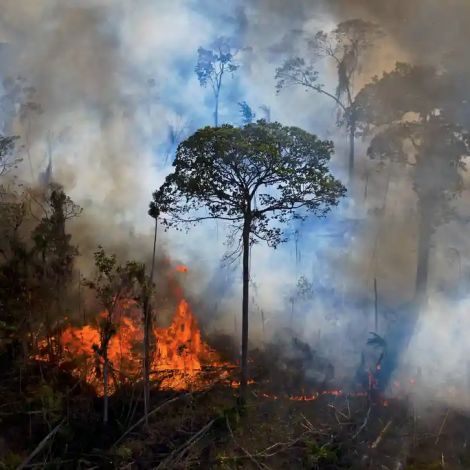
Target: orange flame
x,y
180,352
180,349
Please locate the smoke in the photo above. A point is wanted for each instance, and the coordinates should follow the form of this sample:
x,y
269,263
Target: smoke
x,y
112,76
383,246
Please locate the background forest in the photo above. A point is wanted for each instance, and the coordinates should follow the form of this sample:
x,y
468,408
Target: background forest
x,y
119,341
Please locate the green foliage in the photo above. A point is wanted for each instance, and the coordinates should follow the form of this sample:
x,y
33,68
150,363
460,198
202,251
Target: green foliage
x,y
408,105
113,280
50,237
264,174
10,461
37,264
49,400
123,452
7,154
318,456
111,284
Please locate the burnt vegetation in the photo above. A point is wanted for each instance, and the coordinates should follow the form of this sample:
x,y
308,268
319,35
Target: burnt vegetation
x,y
91,380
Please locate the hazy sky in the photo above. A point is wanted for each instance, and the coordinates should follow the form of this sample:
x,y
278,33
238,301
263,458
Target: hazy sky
x,y
91,62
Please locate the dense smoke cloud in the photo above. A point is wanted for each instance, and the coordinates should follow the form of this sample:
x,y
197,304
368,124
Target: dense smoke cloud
x,y
112,76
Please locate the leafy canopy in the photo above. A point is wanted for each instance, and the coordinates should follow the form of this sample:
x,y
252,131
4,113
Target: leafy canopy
x,y
261,175
213,63
8,159
344,45
410,105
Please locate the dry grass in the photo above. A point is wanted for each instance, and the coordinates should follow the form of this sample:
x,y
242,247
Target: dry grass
x,y
206,430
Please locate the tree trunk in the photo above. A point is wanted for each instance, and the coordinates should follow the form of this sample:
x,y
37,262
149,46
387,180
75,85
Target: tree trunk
x,y
422,264
216,113
245,305
352,133
148,329
146,357
105,390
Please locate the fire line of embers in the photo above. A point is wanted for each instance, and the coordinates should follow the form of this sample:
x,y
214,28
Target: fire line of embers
x,y
177,363
183,364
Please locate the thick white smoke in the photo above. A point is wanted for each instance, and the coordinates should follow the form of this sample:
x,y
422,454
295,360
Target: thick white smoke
x,y
112,75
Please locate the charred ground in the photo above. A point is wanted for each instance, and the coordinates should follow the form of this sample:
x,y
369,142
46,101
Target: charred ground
x,y
204,429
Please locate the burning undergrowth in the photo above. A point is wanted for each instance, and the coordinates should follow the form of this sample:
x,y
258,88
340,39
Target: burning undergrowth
x,y
182,360
202,428
302,412
311,412
179,356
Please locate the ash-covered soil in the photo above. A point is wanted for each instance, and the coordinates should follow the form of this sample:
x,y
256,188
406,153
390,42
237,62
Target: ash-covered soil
x,y
311,429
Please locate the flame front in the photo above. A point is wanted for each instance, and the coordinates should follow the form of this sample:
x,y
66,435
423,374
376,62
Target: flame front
x,y
180,350
177,361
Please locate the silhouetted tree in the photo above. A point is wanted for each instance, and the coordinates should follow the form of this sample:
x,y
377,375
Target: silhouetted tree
x,y
246,113
36,267
410,106
267,112
257,178
54,256
177,128
16,319
8,158
345,45
212,66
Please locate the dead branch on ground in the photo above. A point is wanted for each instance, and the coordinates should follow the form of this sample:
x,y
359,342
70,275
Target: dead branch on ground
x,y
40,446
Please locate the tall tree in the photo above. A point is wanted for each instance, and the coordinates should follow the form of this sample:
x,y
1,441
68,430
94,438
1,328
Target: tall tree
x,y
147,289
36,265
54,257
256,178
345,46
410,106
213,65
15,272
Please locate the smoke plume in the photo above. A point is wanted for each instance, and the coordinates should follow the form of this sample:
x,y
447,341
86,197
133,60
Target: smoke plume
x,y
115,78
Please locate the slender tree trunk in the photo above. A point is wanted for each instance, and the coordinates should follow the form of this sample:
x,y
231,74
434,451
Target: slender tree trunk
x,y
376,307
148,329
424,248
146,357
105,389
245,305
216,113
352,133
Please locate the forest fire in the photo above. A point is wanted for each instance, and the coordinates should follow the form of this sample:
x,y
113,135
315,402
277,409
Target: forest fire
x,y
177,361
